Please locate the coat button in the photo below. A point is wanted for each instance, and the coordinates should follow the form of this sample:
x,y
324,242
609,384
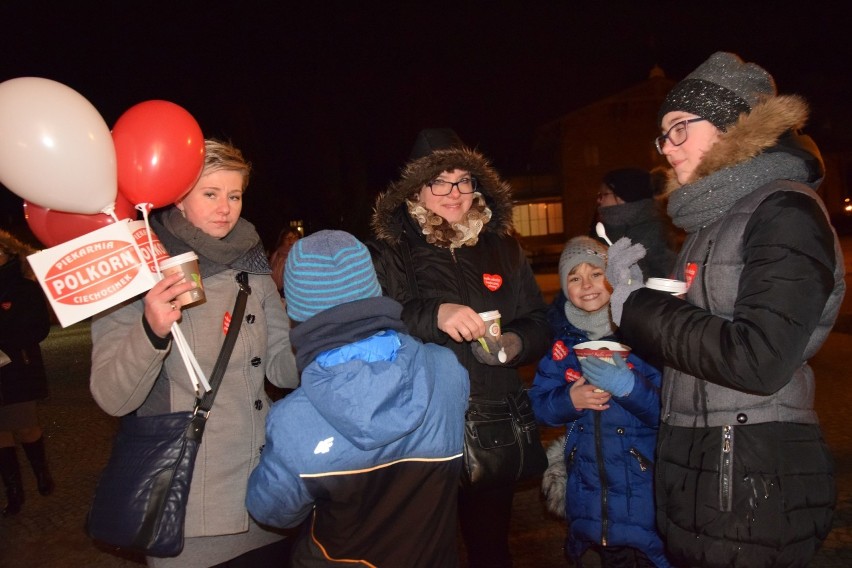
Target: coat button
x,y
742,417
258,404
620,431
255,362
250,318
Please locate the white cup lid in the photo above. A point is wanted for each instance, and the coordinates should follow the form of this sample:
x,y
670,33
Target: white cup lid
x,y
490,315
179,259
666,285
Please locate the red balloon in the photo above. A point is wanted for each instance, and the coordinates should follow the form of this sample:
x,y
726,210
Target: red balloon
x,y
54,227
159,151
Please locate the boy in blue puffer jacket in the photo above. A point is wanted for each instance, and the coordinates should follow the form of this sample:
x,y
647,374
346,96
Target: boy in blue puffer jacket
x,y
611,413
366,454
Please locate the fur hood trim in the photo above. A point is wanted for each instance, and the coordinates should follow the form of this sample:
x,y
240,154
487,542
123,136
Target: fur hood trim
x,y
555,478
753,133
387,222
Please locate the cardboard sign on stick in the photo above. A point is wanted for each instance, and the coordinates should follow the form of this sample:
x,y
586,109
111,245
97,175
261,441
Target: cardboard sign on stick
x,y
87,275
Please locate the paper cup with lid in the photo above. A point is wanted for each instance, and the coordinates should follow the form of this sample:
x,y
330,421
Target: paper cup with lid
x,y
187,263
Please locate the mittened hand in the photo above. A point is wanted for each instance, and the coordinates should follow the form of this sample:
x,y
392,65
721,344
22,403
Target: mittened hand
x,y
507,349
617,379
623,273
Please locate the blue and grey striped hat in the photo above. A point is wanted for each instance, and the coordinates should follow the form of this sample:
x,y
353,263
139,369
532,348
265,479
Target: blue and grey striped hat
x,y
326,269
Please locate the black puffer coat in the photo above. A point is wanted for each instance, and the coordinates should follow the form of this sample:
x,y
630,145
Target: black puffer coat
x,y
24,323
494,274
744,477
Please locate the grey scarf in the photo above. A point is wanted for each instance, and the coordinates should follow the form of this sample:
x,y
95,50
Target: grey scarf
x,y
596,324
696,205
241,249
626,214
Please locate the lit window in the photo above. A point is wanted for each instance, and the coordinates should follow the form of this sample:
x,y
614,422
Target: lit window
x,y
535,219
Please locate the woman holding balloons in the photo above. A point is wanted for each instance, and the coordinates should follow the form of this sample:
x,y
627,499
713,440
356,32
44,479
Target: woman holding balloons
x,y
137,368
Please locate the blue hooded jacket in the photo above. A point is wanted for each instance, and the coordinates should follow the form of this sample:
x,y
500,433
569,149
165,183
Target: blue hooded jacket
x,y
371,443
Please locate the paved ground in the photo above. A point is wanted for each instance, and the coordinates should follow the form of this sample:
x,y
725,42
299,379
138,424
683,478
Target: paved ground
x,y
49,530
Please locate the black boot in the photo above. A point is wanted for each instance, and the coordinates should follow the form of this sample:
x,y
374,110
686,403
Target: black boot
x,y
38,459
11,473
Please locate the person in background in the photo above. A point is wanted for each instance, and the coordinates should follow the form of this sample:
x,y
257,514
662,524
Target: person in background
x,y
744,476
136,367
443,249
369,447
24,323
605,488
278,256
627,208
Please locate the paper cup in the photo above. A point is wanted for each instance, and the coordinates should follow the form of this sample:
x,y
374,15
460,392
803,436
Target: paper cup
x,y
188,264
492,324
602,350
673,287
492,330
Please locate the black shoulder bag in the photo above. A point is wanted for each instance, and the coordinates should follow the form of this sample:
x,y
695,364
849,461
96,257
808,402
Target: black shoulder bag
x,y
140,499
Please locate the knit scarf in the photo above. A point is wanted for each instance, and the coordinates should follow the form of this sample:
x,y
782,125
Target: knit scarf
x,y
625,214
596,324
439,232
240,250
342,325
698,204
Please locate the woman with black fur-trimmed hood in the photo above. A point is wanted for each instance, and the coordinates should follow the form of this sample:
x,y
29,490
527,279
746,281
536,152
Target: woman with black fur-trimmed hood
x,y
444,249
743,477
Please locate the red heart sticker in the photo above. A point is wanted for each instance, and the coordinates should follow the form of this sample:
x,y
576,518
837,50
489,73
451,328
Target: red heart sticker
x,y
6,306
690,273
559,351
572,375
492,281
226,323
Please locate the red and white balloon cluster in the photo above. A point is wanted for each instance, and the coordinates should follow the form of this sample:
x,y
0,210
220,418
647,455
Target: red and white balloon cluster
x,y
74,174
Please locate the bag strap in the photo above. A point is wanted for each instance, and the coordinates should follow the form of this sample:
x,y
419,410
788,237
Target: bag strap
x,y
203,405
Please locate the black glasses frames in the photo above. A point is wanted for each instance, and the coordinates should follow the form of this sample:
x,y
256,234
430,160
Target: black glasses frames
x,y
676,135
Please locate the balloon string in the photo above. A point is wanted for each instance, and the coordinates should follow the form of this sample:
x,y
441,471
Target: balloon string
x,y
110,210
193,369
145,208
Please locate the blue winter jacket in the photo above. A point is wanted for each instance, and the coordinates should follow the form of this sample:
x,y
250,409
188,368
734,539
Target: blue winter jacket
x,y
371,443
609,498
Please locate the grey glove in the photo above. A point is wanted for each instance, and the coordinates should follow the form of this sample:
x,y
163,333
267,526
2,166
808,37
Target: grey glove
x,y
623,273
510,346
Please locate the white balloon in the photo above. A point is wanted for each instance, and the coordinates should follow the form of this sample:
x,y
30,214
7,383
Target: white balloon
x,y
55,149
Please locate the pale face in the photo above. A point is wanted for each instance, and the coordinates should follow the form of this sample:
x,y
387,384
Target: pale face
x,y
451,207
588,288
607,198
215,202
684,159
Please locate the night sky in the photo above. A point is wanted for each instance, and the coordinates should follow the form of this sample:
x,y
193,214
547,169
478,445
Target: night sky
x,y
326,101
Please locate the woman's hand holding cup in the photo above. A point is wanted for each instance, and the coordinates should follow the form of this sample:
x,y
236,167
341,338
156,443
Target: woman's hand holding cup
x,y
162,309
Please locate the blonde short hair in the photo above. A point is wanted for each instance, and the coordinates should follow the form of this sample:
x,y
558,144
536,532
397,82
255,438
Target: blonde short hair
x,y
219,155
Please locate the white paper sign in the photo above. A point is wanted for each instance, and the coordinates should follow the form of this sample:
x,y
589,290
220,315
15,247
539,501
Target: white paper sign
x,y
87,275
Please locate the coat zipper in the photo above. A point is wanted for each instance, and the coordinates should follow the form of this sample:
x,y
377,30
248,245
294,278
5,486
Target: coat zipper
x,y
726,468
602,479
644,464
704,275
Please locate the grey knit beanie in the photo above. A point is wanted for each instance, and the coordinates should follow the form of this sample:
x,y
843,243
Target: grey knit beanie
x,y
720,89
326,269
579,250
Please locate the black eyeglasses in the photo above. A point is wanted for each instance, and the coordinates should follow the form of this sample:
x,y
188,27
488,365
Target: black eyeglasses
x,y
676,135
441,187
